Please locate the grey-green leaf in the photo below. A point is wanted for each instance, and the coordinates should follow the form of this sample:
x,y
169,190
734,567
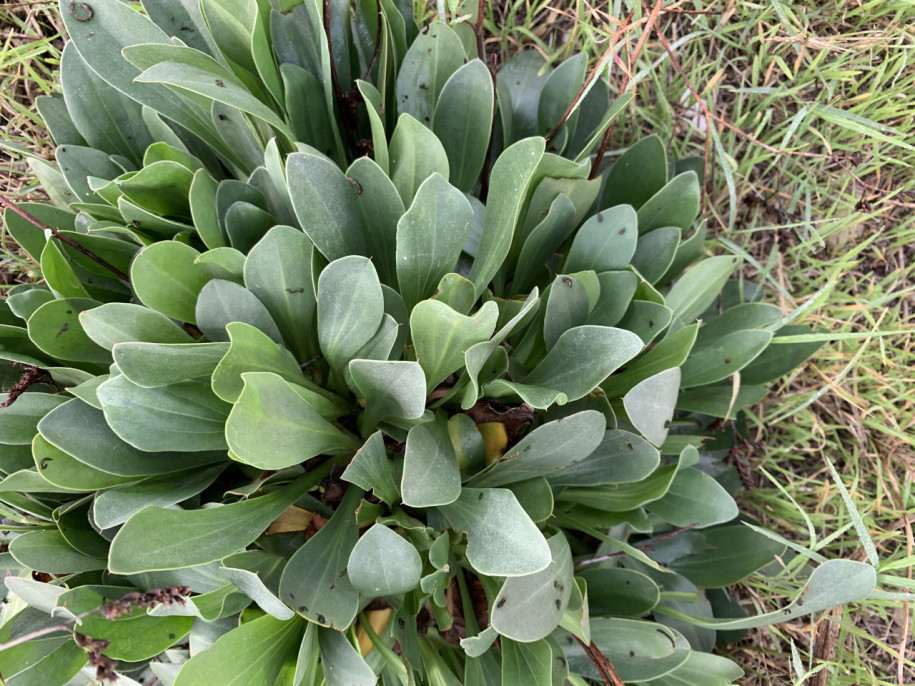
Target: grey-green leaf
x,y
350,308
650,404
114,323
441,336
431,475
314,582
509,183
185,416
528,608
271,426
583,357
463,119
167,278
501,538
430,236
383,563
156,538
325,205
549,448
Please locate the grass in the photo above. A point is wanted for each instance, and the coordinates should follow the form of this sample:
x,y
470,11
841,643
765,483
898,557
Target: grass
x,y
834,80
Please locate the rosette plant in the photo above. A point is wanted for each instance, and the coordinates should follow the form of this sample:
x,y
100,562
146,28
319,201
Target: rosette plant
x,y
353,362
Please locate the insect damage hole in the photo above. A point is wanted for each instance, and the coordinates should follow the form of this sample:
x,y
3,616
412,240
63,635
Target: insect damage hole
x,y
81,11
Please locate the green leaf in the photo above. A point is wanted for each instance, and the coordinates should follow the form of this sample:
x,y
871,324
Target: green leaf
x,y
55,328
697,288
85,434
342,663
19,420
29,236
694,498
257,652
132,637
23,303
456,292
57,668
626,497
190,71
621,457
730,554
431,475
251,350
314,582
582,358
559,92
53,112
222,302
719,400
607,241
728,355
185,416
370,469
542,241
432,58
167,278
566,308
668,353
59,274
114,323
538,397
677,204
78,164
116,505
617,592
702,669
655,252
501,539
528,608
156,538
737,318
278,272
549,448
646,319
383,563
380,207
441,336
526,664
638,650
390,389
375,109
246,224
66,472
463,120
154,364
521,79
325,205
509,183
476,356
271,426
416,154
224,263
100,39
650,404
161,188
637,175
835,582
47,551
257,574
430,236
777,360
